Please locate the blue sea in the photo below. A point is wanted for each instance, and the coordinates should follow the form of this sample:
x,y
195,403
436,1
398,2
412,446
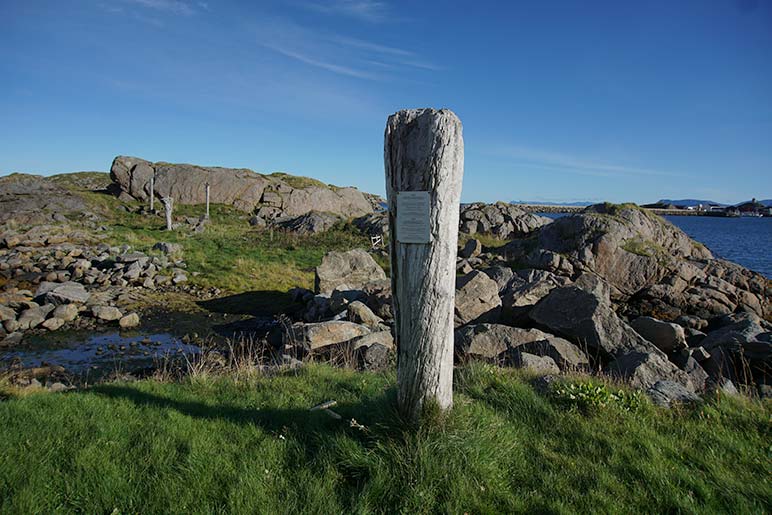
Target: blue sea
x,y
746,241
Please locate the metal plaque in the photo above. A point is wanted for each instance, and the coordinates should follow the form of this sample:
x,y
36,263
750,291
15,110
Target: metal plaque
x,y
413,217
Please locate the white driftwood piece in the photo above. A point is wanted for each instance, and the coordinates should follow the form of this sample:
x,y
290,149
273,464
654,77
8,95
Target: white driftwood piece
x,y
424,151
168,203
207,200
152,194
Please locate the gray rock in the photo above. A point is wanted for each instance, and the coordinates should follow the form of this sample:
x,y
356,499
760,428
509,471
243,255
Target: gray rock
x,y
373,357
472,248
7,313
564,353
129,321
666,393
169,249
52,324
501,274
477,299
66,312
490,341
538,364
313,222
32,317
642,370
12,339
666,336
106,313
257,221
355,268
318,335
585,319
359,313
68,292
383,338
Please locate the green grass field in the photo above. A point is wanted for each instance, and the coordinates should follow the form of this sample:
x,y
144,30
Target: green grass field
x,y
209,444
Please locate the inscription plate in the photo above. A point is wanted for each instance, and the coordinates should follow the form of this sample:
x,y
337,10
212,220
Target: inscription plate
x,y
413,217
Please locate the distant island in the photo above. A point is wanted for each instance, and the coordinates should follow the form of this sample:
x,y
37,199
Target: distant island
x,y
750,208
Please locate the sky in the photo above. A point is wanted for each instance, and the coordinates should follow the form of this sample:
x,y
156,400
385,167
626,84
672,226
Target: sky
x,y
560,101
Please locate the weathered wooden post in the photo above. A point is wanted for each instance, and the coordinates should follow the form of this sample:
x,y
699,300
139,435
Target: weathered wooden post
x,y
152,193
207,200
424,161
168,203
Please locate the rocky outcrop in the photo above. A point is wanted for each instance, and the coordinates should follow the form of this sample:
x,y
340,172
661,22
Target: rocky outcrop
x,y
269,196
502,220
31,199
354,268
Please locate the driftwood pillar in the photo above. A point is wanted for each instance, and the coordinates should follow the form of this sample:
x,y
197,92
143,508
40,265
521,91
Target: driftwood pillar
x,y
152,194
424,161
207,200
168,203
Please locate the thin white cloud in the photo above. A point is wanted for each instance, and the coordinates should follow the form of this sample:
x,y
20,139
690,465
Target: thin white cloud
x,y
342,70
367,10
170,6
339,54
530,158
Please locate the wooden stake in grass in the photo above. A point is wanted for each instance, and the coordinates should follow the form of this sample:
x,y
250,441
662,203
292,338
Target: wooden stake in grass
x,y
207,200
424,161
152,194
168,203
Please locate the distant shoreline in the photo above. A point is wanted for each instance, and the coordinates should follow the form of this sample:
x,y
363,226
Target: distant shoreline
x,y
551,208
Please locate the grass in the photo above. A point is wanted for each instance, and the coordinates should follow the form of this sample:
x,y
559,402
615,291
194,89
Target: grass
x,y
230,254
214,444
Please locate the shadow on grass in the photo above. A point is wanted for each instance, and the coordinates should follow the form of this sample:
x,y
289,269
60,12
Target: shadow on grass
x,y
257,303
309,428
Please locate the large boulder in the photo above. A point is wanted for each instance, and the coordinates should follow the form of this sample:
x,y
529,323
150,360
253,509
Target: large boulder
x,y
68,292
354,268
644,369
323,334
477,299
239,187
588,320
491,341
668,337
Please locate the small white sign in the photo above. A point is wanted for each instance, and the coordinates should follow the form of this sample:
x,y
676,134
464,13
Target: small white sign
x,y
413,217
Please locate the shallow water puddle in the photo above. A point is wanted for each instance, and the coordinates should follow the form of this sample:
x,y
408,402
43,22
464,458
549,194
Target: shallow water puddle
x,y
81,353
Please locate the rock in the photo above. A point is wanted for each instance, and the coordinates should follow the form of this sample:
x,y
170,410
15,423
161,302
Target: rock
x,y
7,313
666,393
697,375
539,364
383,338
32,200
169,249
309,223
666,336
477,299
52,324
642,370
11,340
472,248
317,335
107,313
257,221
342,296
490,341
241,188
68,292
565,354
504,221
373,357
359,313
179,278
129,321
502,275
32,317
66,312
586,319
523,292
354,268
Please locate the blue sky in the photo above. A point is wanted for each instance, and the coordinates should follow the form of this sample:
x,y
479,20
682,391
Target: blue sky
x,y
560,101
